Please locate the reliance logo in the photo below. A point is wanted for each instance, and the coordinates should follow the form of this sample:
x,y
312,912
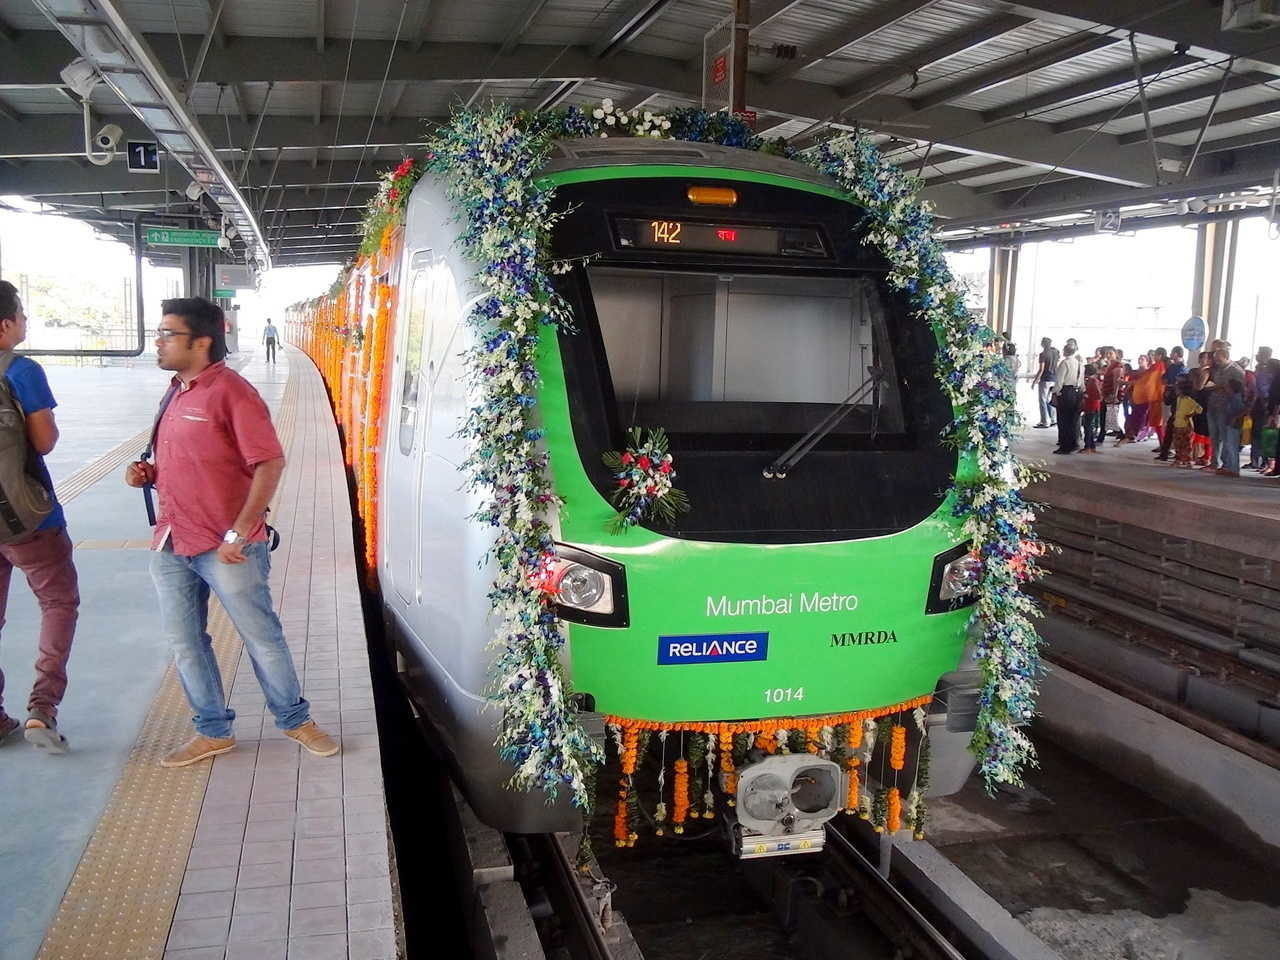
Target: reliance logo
x,y
713,648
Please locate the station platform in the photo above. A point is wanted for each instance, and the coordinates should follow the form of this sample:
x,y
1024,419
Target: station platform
x,y
266,852
1128,485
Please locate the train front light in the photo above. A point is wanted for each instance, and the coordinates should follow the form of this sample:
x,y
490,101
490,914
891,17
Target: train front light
x,y
588,589
956,576
584,588
961,577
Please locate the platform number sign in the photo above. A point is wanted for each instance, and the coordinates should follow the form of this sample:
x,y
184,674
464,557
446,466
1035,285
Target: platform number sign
x,y
142,157
1106,221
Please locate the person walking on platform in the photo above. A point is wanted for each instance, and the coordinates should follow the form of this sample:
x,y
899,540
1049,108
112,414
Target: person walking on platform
x,y
269,336
1068,386
217,465
27,433
1044,380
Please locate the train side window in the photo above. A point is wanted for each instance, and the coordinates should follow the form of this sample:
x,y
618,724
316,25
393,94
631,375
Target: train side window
x,y
414,348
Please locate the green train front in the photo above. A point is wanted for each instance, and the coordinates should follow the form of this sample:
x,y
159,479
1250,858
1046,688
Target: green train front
x,y
733,303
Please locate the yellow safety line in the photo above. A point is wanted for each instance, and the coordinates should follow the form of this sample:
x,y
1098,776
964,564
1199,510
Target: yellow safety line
x,y
121,899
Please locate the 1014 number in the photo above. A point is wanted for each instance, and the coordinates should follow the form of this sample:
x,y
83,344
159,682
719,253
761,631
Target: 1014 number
x,y
783,694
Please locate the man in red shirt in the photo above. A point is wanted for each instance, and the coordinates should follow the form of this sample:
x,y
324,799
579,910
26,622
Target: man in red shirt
x,y
217,465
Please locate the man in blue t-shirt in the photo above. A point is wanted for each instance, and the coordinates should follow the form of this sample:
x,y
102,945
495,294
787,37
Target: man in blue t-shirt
x,y
44,556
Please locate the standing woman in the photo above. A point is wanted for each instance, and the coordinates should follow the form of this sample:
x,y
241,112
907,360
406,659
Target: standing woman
x,y
1135,421
1155,408
1112,386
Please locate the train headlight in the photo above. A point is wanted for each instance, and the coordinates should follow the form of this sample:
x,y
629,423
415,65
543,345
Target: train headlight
x,y
956,576
588,589
584,588
961,577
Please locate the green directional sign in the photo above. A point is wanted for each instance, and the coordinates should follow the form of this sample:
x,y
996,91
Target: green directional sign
x,y
228,294
163,237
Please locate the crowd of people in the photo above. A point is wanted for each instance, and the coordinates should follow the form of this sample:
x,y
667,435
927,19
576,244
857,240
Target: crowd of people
x,y
1201,415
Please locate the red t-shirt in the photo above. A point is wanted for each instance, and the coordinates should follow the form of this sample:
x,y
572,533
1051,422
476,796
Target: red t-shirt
x,y
215,430
1092,395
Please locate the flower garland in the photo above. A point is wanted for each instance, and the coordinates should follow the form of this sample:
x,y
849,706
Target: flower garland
x,y
386,208
644,472
488,161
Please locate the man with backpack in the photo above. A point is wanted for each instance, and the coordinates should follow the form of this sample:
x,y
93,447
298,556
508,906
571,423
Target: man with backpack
x,y
217,465
33,530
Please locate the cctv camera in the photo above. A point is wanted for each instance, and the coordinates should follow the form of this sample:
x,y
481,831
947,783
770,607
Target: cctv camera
x,y
1196,205
224,243
193,191
108,137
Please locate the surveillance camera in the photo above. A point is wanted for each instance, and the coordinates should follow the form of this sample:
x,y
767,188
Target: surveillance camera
x,y
193,191
1196,205
224,243
108,137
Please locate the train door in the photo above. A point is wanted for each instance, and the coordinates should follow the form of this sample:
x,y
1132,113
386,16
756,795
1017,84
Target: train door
x,y
405,439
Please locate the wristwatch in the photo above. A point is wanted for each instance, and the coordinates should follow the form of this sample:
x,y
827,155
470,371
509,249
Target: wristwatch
x,y
232,537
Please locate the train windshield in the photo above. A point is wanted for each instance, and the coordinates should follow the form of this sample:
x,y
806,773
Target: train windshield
x,y
749,359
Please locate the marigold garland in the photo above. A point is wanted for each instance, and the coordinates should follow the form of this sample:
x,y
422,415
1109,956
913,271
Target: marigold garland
x,y
893,812
680,799
897,747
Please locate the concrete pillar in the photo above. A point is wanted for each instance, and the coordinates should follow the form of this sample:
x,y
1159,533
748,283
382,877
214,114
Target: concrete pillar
x,y
1212,282
1002,282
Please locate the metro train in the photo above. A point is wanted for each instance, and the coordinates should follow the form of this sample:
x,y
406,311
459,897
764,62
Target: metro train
x,y
726,296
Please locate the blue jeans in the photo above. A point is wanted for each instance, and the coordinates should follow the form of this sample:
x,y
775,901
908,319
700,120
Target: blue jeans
x,y
183,584
1218,434
1231,448
1047,413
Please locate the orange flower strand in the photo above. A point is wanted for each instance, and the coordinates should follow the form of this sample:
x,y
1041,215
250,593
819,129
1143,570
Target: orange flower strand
x,y
897,747
851,796
680,800
764,728
893,818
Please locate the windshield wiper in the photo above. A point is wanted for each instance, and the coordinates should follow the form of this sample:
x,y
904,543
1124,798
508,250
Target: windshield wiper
x,y
797,451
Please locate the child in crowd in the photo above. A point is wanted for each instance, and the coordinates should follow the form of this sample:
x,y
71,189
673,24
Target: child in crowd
x,y
1184,410
1091,409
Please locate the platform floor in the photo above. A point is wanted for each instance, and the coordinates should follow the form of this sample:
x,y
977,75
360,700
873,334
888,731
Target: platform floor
x,y
1127,484
263,853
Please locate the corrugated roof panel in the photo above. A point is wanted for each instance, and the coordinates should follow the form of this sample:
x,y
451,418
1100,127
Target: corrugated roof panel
x,y
32,102
1073,70
1180,78
1223,131
1196,110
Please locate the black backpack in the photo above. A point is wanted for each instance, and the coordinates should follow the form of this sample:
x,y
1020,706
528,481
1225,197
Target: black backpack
x,y
24,500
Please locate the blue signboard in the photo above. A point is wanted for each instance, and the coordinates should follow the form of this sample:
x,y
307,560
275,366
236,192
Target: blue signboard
x,y
1193,333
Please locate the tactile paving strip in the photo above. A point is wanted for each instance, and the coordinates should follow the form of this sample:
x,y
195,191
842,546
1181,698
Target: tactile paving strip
x,y
121,899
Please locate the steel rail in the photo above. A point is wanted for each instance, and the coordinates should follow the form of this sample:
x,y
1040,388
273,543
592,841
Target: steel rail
x,y
591,934
901,920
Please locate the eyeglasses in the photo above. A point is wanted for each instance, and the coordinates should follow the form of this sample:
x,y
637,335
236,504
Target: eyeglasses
x,y
164,333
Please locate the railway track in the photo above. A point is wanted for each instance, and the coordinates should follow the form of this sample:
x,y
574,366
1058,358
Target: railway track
x,y
836,904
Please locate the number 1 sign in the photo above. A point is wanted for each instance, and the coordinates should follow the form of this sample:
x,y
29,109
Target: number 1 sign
x,y
142,157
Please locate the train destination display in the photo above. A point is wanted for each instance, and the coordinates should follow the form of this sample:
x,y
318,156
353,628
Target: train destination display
x,y
703,237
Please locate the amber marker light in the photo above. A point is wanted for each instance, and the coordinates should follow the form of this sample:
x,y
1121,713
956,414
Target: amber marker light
x,y
712,196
